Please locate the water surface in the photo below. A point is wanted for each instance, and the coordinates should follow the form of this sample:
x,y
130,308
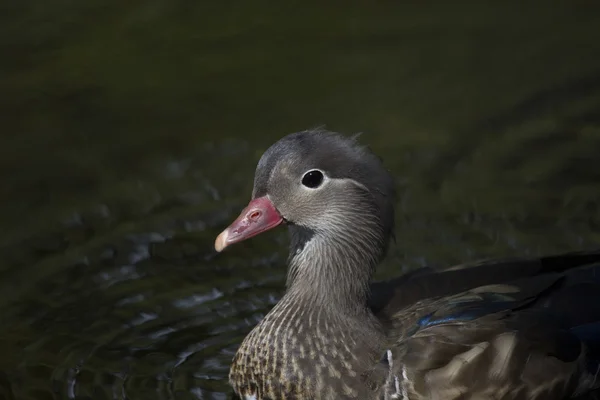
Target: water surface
x,y
131,131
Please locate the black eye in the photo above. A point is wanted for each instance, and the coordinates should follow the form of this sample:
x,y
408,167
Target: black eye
x,y
312,179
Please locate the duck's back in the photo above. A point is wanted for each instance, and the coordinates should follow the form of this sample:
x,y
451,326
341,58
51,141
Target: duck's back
x,y
533,337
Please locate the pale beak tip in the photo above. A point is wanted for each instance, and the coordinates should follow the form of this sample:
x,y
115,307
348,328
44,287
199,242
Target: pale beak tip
x,y
221,241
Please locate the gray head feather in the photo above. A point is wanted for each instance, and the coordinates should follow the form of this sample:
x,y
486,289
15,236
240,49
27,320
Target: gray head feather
x,y
353,211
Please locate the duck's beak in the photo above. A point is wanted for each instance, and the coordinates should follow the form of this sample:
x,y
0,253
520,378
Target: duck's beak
x,y
259,216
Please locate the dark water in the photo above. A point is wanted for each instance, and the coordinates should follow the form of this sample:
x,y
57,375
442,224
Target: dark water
x,y
130,131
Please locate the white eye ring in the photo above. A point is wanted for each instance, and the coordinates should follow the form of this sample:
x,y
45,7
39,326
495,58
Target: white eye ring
x,y
313,179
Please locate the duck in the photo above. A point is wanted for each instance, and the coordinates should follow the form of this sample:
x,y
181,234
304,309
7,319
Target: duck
x,y
510,329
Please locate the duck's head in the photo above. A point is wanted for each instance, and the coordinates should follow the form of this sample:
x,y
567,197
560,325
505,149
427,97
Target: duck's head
x,y
321,184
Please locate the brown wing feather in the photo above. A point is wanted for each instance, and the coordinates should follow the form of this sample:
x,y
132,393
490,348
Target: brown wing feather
x,y
506,341
391,296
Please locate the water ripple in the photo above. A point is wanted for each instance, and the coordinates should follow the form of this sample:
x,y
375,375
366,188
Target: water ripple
x,y
136,317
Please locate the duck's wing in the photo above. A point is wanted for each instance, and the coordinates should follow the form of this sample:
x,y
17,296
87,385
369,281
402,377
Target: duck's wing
x,y
393,295
532,338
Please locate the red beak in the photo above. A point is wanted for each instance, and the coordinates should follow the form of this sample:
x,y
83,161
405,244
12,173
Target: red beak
x,y
259,216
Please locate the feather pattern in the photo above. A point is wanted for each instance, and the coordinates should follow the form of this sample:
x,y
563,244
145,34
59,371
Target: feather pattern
x,y
517,329
506,341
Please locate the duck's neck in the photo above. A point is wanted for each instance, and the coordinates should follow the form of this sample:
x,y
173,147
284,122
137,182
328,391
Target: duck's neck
x,y
322,323
333,268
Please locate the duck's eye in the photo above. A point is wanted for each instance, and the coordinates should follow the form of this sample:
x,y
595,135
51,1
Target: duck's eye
x,y
312,179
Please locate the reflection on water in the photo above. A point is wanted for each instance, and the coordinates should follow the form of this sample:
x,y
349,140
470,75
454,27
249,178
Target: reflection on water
x,y
132,130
